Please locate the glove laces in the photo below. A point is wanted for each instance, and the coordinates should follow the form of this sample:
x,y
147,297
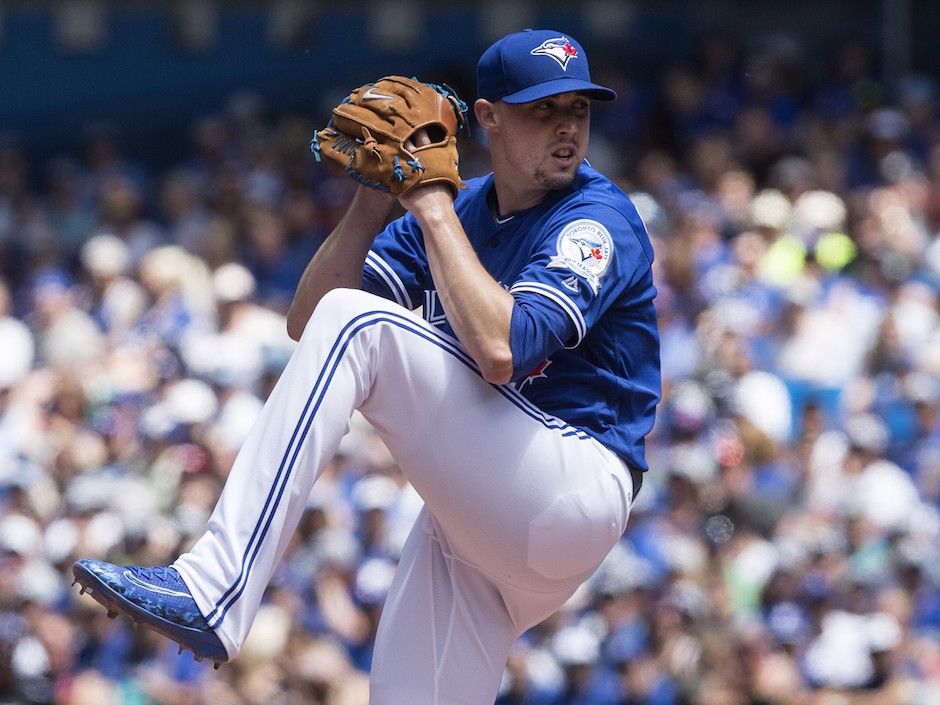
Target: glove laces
x,y
370,143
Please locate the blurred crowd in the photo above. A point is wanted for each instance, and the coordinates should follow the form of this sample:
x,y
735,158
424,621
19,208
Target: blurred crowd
x,y
782,549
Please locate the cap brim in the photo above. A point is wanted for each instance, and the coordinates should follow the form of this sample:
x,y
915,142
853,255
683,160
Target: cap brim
x,y
560,85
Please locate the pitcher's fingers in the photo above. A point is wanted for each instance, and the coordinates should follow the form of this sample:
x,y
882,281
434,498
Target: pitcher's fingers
x,y
418,139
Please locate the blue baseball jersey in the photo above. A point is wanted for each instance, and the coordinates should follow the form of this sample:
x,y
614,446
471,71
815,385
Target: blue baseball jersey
x,y
584,340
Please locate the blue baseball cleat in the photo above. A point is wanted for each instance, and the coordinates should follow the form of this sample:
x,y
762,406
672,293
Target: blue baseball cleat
x,y
155,597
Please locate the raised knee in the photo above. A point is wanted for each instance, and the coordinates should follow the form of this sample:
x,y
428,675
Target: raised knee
x,y
348,302
338,306
336,298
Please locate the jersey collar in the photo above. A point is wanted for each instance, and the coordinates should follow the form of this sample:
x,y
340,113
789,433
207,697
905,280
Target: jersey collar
x,y
492,205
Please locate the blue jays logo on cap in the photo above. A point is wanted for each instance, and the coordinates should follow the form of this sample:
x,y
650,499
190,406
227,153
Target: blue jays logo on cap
x,y
559,48
516,69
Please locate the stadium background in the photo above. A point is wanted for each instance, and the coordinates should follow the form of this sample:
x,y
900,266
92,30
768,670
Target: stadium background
x,y
157,205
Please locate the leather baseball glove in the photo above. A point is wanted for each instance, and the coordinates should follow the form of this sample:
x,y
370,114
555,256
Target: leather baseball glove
x,y
373,135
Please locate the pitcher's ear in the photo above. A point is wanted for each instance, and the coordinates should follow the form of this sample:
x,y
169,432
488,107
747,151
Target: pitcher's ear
x,y
486,114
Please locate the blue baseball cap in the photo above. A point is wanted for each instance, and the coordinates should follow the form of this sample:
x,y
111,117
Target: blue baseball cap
x,y
534,64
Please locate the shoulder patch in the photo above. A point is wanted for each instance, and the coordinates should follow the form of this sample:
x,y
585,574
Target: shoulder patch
x,y
585,247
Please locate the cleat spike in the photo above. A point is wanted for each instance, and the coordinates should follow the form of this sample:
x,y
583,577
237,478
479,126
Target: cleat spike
x,y
180,652
82,591
216,666
197,657
74,583
112,614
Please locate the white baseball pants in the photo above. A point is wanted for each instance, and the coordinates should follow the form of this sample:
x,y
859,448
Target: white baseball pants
x,y
520,508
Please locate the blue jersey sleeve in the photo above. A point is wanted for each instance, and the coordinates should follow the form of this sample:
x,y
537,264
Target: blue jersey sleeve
x,y
588,258
396,265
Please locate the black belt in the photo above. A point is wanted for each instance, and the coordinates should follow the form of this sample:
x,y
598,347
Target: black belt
x,y
637,476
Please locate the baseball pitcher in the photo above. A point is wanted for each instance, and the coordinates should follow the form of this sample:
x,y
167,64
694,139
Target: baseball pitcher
x,y
516,404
